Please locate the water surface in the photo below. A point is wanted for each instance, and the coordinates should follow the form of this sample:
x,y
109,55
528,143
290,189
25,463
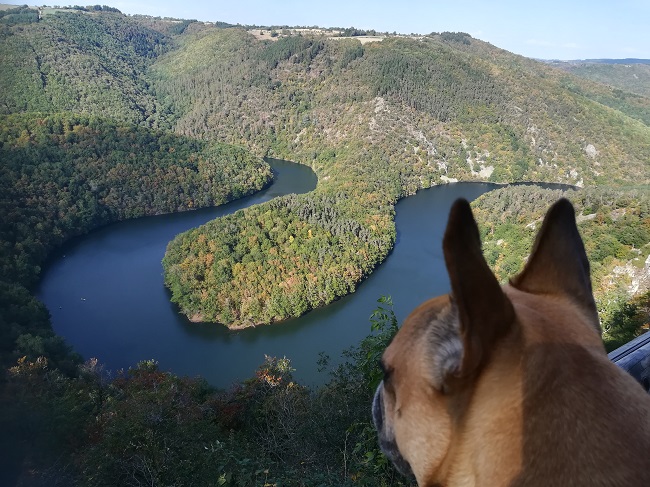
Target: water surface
x,y
106,295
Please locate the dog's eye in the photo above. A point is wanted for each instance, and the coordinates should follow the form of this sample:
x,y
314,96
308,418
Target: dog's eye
x,y
387,371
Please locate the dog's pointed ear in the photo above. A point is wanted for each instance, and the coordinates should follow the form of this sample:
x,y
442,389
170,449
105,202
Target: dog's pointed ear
x,y
558,264
484,312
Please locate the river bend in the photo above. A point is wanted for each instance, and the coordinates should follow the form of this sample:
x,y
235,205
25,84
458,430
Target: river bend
x,y
106,295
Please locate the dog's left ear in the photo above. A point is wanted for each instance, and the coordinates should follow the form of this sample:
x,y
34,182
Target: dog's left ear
x,y
558,264
484,312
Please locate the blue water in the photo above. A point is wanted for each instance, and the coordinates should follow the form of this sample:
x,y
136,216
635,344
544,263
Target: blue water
x,y
106,295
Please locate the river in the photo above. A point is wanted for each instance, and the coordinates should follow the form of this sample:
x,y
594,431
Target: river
x,y
106,295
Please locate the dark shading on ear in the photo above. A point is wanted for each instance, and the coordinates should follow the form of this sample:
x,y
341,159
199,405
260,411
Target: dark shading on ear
x,y
484,312
558,264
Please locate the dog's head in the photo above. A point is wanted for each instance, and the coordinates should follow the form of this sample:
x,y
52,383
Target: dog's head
x,y
434,362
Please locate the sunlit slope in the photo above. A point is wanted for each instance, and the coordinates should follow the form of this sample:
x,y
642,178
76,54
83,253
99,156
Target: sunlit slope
x,y
376,122
93,63
624,79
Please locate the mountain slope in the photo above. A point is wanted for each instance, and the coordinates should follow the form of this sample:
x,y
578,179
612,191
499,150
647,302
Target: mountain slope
x,y
93,63
624,87
632,76
376,122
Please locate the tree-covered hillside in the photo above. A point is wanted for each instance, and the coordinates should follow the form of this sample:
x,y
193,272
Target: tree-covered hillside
x,y
63,175
622,86
376,122
89,62
631,77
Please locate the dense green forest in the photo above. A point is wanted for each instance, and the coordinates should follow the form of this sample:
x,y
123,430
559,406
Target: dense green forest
x,y
64,174
89,63
105,117
376,122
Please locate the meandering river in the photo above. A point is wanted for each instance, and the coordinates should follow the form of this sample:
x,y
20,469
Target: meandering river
x,y
106,295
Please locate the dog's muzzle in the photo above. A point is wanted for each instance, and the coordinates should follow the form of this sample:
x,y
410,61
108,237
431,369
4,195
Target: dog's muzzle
x,y
386,436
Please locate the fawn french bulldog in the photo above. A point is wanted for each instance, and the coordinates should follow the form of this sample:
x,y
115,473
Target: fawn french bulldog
x,y
510,385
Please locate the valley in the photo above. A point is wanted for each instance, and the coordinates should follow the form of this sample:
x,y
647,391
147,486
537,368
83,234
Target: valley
x,y
106,117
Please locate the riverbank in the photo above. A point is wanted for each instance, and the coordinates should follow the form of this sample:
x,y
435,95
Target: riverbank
x,y
117,270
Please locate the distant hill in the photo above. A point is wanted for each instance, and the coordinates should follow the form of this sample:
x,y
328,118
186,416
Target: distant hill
x,y
626,76
614,61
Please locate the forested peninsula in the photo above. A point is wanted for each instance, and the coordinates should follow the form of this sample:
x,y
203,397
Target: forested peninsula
x,y
105,117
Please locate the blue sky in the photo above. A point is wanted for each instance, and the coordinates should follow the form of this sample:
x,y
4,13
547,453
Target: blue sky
x,y
550,29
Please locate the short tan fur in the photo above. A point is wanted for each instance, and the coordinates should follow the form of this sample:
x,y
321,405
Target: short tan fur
x,y
510,385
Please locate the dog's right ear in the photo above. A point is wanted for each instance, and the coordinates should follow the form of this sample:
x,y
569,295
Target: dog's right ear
x,y
485,313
